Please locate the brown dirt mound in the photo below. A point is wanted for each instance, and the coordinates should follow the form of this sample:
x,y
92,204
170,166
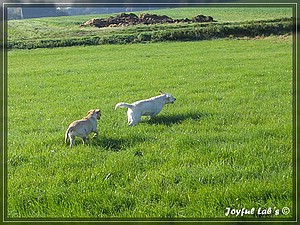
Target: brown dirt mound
x,y
127,19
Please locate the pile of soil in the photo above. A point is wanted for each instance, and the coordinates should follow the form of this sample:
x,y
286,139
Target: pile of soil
x,y
127,19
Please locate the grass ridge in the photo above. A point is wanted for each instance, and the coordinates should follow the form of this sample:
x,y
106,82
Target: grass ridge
x,y
190,32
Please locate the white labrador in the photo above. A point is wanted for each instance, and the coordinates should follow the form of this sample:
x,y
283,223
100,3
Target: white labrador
x,y
82,128
148,107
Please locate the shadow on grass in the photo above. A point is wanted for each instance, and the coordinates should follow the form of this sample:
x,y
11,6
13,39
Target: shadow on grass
x,y
117,144
169,120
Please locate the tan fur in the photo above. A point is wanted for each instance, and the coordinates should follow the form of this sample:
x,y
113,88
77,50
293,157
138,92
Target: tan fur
x,y
82,128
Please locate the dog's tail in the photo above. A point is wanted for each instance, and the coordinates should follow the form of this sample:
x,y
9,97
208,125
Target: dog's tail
x,y
123,105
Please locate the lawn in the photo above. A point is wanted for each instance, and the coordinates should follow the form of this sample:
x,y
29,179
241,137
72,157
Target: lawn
x,y
225,142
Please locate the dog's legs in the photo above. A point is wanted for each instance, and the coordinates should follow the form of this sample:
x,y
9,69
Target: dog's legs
x,y
129,116
133,118
133,123
129,119
72,141
95,135
85,140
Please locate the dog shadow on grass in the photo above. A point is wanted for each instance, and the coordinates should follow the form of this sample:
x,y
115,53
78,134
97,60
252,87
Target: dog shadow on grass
x,y
170,120
117,144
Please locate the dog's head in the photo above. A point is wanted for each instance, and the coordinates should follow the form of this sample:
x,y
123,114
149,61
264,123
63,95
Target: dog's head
x,y
168,97
95,113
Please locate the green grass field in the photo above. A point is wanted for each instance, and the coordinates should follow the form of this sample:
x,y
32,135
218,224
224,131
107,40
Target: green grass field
x,y
226,142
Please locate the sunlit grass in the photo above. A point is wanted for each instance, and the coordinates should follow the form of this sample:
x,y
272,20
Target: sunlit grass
x,y
226,142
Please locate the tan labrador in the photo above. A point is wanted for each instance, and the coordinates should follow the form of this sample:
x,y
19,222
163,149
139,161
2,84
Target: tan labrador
x,y
148,107
82,128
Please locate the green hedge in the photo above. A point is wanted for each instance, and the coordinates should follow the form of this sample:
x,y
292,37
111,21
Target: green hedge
x,y
186,33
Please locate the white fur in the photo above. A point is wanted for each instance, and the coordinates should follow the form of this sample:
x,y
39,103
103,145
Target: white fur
x,y
82,128
148,107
